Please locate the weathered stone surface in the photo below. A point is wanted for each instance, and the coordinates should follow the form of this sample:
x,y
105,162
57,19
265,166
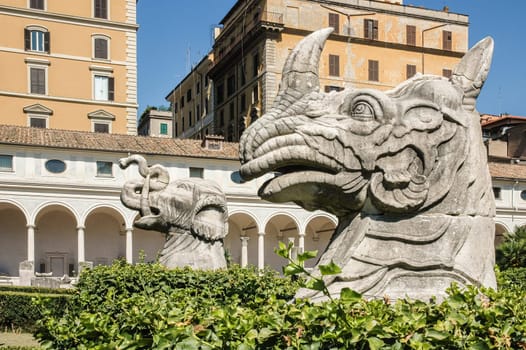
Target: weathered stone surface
x,y
404,170
192,212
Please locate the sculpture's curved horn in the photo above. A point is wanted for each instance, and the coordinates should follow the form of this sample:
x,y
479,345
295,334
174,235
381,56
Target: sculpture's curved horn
x,y
472,71
300,72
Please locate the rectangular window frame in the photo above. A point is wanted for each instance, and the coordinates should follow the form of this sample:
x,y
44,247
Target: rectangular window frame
x,y
7,163
373,68
447,40
410,34
37,4
410,71
101,12
37,39
96,123
100,53
34,86
370,29
334,22
447,73
34,117
100,168
163,129
196,172
334,65
110,93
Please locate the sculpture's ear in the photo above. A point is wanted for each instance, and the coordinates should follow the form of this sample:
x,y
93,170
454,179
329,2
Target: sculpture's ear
x,y
211,217
471,73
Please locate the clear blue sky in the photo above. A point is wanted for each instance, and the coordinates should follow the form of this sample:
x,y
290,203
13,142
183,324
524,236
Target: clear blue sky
x,y
174,34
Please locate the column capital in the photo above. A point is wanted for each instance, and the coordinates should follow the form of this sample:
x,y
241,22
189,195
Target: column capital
x,y
81,227
301,234
33,226
261,233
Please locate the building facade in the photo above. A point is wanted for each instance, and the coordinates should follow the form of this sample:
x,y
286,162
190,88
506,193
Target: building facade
x,y
375,44
155,123
191,101
67,66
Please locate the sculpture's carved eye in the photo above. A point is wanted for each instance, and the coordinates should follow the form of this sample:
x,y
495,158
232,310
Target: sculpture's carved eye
x,y
363,111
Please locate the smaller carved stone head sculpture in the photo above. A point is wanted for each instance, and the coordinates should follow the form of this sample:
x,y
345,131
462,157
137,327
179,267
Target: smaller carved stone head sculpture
x,y
192,212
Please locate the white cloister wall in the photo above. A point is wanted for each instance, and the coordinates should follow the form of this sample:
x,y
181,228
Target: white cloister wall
x,y
59,220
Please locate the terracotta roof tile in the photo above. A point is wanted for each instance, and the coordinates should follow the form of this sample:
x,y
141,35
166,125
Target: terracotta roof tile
x,y
18,135
507,170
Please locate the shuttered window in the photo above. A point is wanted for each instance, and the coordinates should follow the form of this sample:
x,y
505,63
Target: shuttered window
x,y
104,88
36,4
37,81
447,40
410,71
6,162
101,48
410,32
370,29
37,122
446,73
334,21
101,9
334,65
164,129
373,70
101,127
36,40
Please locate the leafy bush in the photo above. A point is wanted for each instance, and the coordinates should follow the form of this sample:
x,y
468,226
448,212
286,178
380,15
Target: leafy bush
x,y
514,278
512,252
18,310
41,290
146,306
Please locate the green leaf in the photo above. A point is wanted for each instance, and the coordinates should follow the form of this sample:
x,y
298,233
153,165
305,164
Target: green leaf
x,y
315,284
330,269
375,343
480,345
306,255
436,335
350,295
292,269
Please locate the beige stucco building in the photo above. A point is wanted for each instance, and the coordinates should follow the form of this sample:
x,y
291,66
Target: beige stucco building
x,y
375,44
69,66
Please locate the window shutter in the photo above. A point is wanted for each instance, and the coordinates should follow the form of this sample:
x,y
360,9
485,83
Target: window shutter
x,y
47,40
101,48
366,28
27,39
375,29
38,82
111,89
334,21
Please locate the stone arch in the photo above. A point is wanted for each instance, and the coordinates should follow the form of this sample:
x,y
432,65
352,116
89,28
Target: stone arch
x,y
319,229
279,227
104,234
56,243
13,237
242,225
147,244
500,231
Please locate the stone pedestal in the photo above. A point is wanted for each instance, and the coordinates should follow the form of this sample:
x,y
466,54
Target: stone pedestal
x,y
26,271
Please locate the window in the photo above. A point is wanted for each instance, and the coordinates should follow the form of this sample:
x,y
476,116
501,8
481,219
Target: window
x,y
100,48
447,39
334,21
104,168
182,102
334,65
373,70
222,118
329,88
189,118
164,129
231,85
255,64
446,73
55,166
6,162
36,39
410,33
198,88
36,4
100,8
197,112
255,94
243,103
103,88
101,127
220,93
410,71
242,74
38,122
189,95
37,77
196,172
175,107
176,129
370,29
523,195
497,192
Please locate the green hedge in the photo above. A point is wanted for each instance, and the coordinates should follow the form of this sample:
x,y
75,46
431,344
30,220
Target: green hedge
x,y
40,290
146,306
18,310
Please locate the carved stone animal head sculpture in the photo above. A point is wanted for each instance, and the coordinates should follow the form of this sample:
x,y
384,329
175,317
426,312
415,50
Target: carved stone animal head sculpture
x,y
404,170
192,212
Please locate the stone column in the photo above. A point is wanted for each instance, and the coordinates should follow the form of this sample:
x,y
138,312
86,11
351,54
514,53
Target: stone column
x,y
129,245
301,242
261,250
80,244
244,251
31,243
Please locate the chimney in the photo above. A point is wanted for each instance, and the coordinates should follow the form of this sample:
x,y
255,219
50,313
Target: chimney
x,y
213,142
